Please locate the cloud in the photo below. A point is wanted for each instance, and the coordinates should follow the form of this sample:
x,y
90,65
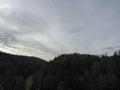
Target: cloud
x,y
47,28
113,47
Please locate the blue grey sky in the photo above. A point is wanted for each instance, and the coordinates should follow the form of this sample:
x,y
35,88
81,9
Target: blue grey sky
x,y
47,28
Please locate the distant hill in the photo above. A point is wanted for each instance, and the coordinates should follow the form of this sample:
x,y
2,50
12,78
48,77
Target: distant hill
x,y
19,65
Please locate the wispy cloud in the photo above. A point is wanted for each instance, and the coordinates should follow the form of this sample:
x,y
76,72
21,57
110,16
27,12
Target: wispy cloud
x,y
46,28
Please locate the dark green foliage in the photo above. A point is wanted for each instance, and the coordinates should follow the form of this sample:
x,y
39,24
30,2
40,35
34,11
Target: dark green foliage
x,y
79,72
15,69
65,72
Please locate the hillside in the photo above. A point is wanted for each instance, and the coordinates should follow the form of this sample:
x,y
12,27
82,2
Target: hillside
x,y
65,72
14,68
79,72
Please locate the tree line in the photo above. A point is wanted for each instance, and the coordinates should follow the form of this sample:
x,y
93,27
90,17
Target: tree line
x,y
65,72
14,70
79,72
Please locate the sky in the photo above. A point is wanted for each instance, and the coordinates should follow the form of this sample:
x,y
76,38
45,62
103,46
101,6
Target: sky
x,y
48,28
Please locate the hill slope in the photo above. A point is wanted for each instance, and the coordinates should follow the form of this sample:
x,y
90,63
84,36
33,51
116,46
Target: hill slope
x,y
14,68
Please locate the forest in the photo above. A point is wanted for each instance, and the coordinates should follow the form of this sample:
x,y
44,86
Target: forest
x,y
65,72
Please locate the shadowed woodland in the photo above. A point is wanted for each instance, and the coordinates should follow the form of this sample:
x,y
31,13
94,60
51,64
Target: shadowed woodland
x,y
65,72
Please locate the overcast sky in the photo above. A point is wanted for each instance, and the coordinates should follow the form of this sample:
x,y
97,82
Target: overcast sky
x,y
47,28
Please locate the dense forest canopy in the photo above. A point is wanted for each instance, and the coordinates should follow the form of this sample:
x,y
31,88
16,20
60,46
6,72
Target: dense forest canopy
x,y
65,72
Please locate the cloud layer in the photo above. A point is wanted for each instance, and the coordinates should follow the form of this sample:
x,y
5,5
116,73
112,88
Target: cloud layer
x,y
47,28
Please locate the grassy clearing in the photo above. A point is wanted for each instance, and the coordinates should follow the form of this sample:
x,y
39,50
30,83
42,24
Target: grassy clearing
x,y
28,83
